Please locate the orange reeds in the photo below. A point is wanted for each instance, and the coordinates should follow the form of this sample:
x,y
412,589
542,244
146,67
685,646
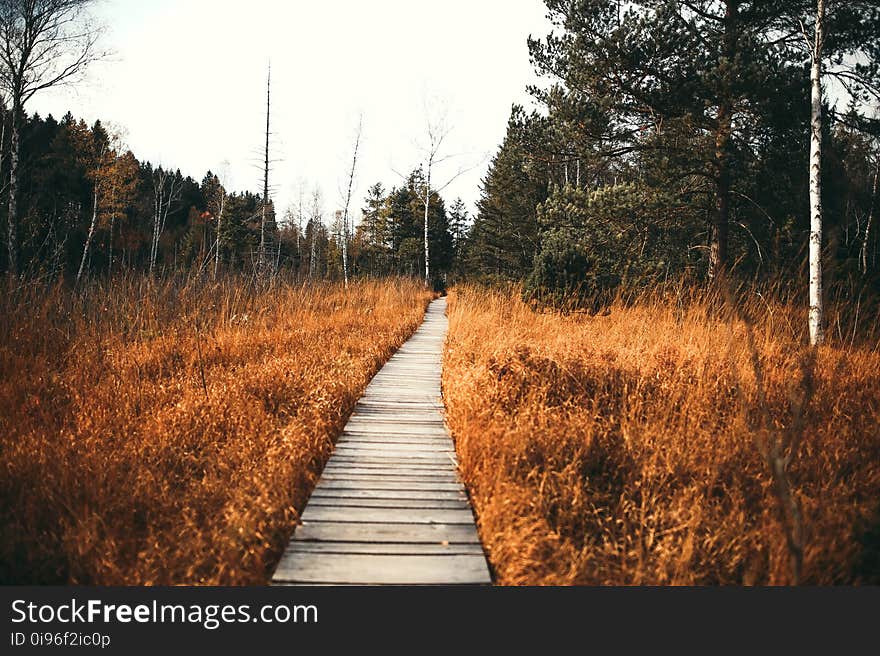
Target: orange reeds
x,y
166,433
632,447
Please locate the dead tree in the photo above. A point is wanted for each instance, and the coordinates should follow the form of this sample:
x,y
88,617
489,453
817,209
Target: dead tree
x,y
315,221
261,256
345,233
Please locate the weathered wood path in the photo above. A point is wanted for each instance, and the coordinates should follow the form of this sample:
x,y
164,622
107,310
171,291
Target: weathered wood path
x,y
389,507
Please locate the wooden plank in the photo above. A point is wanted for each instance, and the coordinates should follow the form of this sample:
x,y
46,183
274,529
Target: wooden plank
x,y
397,405
319,513
338,471
398,435
390,548
397,415
343,470
402,432
399,448
397,421
428,463
349,502
387,485
358,463
400,457
365,532
360,493
355,440
370,481
367,569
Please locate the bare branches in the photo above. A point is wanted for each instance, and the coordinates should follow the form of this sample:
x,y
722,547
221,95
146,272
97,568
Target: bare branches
x,y
44,43
166,190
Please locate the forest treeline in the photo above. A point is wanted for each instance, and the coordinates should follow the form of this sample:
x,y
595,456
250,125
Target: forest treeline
x,y
77,179
667,139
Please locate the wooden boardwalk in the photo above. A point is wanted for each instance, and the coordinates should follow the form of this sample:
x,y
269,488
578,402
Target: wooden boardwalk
x,y
389,507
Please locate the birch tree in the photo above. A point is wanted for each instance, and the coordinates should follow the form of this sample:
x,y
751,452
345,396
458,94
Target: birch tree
x,y
816,308
113,174
846,34
166,190
216,201
863,252
345,231
96,174
43,43
437,131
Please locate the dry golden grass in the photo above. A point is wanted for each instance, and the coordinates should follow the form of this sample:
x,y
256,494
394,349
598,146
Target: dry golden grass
x,y
624,449
165,434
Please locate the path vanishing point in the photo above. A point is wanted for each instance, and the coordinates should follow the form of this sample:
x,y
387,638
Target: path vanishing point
x,y
389,507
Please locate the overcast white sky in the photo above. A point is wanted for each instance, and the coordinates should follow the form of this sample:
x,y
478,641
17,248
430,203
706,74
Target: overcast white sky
x,y
187,82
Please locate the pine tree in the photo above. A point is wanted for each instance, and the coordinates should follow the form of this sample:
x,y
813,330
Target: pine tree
x,y
714,65
505,235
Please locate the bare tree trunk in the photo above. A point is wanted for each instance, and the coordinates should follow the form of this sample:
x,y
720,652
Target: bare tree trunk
x,y
721,214
158,202
162,199
816,310
427,203
3,139
13,192
222,193
863,255
261,255
312,252
357,143
110,245
82,263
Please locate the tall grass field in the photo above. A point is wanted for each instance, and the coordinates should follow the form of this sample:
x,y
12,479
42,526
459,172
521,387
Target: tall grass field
x,y
668,440
169,432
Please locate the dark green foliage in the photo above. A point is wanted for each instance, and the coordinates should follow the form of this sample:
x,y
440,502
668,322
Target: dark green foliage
x,y
391,237
505,235
569,273
674,138
593,242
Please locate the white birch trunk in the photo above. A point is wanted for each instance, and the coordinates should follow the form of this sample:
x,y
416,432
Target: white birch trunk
x,y
427,203
354,158
312,251
157,211
863,255
222,193
13,193
816,308
85,255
